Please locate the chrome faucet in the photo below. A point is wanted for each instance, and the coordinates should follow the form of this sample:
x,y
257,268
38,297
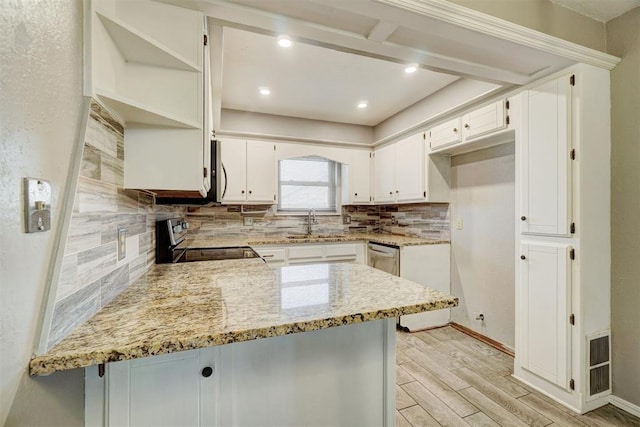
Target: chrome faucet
x,y
311,219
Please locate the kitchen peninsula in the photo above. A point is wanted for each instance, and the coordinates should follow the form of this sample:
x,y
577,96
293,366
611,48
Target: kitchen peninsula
x,y
339,371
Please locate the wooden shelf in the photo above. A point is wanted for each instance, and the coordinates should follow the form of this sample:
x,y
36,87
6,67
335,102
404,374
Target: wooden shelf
x,y
137,47
135,112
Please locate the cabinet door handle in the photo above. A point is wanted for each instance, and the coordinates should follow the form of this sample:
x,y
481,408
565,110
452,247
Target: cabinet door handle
x,y
466,126
242,192
397,191
523,218
267,256
522,257
250,191
355,194
391,193
224,171
455,130
207,371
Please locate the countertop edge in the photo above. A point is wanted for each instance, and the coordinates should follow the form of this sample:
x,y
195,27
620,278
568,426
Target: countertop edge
x,y
44,365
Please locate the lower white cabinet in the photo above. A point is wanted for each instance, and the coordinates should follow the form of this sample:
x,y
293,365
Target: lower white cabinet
x,y
544,304
427,265
311,253
337,376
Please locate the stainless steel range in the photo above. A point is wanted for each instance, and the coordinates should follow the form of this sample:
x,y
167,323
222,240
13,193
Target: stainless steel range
x,y
172,248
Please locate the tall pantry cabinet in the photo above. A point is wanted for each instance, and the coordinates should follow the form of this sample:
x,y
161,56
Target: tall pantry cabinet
x,y
563,237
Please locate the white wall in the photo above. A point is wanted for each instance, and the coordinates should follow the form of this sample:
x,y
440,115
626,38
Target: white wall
x,y
41,87
293,127
482,253
623,39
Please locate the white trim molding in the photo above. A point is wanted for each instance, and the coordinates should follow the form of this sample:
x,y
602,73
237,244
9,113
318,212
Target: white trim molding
x,y
452,13
624,405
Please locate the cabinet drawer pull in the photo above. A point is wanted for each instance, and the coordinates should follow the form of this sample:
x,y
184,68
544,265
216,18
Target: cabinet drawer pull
x,y
207,371
522,257
267,256
523,218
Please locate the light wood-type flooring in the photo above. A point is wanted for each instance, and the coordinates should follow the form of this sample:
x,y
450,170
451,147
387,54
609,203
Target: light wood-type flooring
x,y
445,377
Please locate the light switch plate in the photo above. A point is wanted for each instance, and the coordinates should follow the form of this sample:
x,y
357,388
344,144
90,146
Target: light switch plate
x,y
247,221
37,205
122,243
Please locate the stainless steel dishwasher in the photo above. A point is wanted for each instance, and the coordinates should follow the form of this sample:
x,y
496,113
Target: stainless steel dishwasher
x,y
385,258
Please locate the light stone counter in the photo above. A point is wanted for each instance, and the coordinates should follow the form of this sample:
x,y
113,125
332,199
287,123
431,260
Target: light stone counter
x,y
186,306
387,239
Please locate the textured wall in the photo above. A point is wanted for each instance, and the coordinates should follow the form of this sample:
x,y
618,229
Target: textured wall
x,y
623,39
41,92
91,274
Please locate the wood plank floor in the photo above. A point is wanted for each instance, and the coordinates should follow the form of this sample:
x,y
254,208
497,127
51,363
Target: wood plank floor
x,y
447,378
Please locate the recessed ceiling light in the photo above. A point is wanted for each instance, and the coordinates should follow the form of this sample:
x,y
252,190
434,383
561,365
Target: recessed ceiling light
x,y
265,91
411,69
362,104
284,41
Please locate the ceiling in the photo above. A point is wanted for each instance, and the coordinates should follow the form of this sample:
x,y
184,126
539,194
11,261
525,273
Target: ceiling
x,y
313,82
600,10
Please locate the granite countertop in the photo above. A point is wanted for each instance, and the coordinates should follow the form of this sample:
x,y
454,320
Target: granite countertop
x,y
387,239
186,306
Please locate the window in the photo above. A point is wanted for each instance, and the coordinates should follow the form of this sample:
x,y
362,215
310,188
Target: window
x,y
307,183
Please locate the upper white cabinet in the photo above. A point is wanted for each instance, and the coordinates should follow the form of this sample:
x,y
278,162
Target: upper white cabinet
x,y
248,171
156,83
546,159
445,134
477,129
359,177
384,174
403,173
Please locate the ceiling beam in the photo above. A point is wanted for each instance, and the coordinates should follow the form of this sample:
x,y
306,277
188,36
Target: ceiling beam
x,y
381,31
242,17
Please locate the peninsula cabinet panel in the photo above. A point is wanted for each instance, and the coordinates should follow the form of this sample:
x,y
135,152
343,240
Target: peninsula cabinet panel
x,y
545,300
167,390
546,165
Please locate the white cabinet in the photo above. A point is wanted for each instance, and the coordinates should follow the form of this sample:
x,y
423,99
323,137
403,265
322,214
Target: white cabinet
x,y
428,265
484,120
544,307
312,253
360,177
445,134
248,171
546,166
168,390
404,173
153,81
384,171
480,128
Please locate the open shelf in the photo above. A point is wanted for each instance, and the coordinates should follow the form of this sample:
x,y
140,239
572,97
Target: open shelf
x,y
136,112
137,47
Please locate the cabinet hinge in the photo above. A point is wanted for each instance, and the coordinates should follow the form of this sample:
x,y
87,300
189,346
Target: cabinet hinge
x,y
101,370
204,172
572,319
424,194
573,228
572,254
274,147
206,39
508,120
274,197
506,104
572,80
370,155
572,154
572,384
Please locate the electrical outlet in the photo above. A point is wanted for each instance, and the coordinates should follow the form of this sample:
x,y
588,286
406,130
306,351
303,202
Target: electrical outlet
x,y
459,224
247,221
122,243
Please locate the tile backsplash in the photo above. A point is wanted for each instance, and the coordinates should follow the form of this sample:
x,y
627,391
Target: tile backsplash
x,y
420,220
91,274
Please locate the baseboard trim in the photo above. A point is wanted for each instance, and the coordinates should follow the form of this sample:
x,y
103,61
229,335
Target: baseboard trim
x,y
491,342
624,405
